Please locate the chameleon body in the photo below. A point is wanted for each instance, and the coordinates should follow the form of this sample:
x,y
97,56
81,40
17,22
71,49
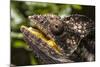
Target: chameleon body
x,y
61,40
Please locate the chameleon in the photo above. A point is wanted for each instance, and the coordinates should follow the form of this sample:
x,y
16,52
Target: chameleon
x,y
56,39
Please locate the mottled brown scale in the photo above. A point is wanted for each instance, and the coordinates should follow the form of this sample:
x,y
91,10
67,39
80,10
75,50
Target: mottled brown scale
x,y
78,24
68,34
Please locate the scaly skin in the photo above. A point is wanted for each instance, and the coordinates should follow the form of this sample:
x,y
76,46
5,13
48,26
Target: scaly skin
x,y
55,39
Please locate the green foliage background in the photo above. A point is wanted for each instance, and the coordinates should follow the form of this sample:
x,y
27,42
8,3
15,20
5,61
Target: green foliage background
x,y
21,54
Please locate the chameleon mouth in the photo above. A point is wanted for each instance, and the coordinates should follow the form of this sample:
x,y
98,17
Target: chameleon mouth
x,y
40,35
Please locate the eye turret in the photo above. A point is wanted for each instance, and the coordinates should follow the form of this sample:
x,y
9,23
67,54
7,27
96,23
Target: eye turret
x,y
57,27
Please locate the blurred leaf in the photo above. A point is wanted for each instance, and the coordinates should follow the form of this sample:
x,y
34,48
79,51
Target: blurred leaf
x,y
33,60
20,44
77,7
16,35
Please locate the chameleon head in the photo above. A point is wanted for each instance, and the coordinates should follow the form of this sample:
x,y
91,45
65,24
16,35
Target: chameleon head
x,y
57,37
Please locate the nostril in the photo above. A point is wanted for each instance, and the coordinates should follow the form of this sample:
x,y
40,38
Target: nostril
x,y
56,26
42,21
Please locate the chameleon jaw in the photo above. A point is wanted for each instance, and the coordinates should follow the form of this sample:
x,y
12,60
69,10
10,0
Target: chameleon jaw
x,y
37,33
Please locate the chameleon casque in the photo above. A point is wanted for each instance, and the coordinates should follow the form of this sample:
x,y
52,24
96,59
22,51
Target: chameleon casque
x,y
61,40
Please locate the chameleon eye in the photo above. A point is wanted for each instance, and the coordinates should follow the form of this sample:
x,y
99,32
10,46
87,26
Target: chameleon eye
x,y
57,28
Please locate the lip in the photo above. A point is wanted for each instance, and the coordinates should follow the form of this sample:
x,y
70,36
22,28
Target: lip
x,y
40,35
